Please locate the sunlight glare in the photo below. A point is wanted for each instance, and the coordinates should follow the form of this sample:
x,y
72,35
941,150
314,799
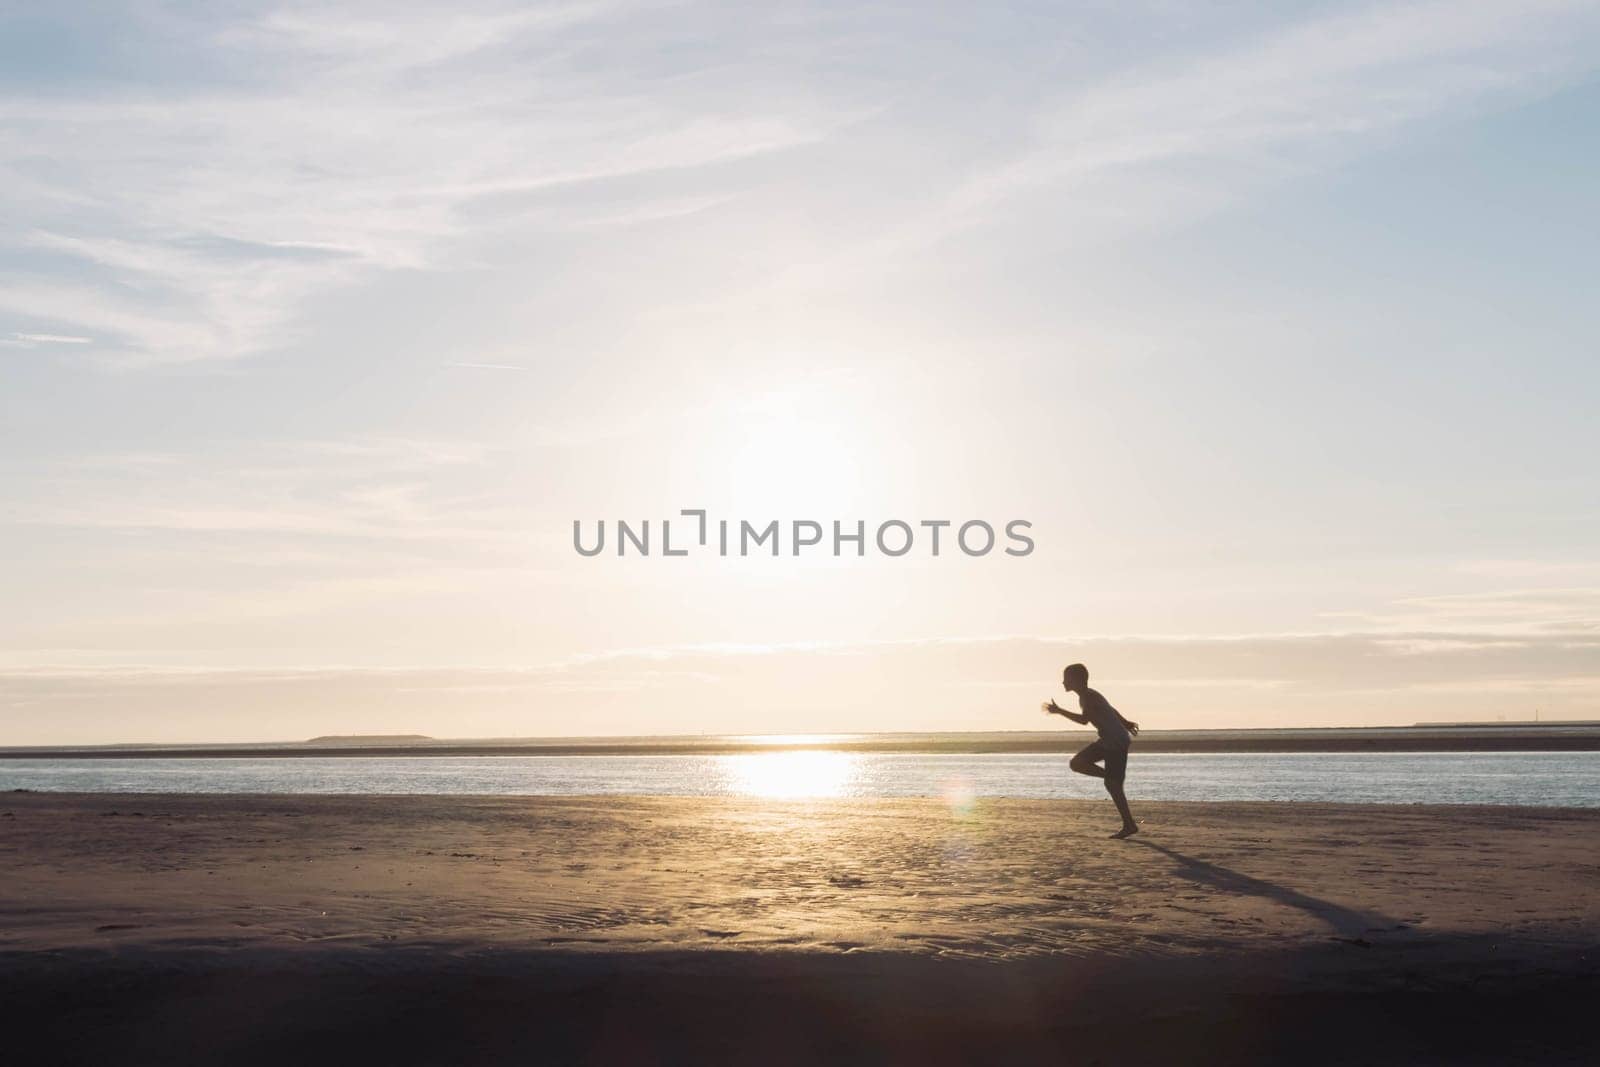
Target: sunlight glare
x,y
791,775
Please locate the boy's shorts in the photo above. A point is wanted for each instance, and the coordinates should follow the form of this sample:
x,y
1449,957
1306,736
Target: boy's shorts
x,y
1115,759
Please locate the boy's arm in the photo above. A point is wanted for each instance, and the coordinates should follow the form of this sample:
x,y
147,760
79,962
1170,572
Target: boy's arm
x,y
1131,726
1053,708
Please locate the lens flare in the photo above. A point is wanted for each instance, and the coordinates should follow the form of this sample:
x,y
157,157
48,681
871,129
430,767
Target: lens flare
x,y
959,796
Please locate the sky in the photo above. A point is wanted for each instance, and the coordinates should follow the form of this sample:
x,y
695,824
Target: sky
x,y
321,324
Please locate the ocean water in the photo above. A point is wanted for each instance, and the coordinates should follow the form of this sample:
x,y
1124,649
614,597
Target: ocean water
x,y
1565,779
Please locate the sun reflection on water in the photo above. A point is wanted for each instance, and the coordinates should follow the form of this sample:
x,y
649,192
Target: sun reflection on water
x,y
791,775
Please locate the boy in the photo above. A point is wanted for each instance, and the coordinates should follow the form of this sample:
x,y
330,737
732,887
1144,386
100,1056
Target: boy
x,y
1116,736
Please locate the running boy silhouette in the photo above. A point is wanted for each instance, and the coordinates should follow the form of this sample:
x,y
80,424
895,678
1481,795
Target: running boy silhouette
x,y
1116,737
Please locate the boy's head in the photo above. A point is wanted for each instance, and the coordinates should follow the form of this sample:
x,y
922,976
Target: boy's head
x,y
1075,677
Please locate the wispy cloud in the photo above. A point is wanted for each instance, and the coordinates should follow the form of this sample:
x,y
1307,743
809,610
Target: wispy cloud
x,y
992,683
1174,134
186,222
51,339
373,488
1507,612
1196,131
191,218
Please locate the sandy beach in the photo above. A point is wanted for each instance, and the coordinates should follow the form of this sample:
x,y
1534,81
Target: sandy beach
x,y
151,928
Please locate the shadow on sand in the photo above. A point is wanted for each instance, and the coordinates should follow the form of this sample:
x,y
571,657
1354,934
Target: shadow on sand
x,y
1346,922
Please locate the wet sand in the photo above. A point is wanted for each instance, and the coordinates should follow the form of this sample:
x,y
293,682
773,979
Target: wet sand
x,y
147,928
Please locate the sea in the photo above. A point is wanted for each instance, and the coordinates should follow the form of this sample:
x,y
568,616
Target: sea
x,y
1561,779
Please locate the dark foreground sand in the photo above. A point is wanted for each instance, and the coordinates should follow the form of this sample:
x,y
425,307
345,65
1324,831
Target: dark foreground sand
x,y
175,929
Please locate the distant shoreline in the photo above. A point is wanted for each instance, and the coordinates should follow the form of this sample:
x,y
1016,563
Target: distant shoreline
x,y
1453,737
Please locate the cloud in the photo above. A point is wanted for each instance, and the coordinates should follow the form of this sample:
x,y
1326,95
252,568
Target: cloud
x,y
1167,135
1549,611
376,488
1342,660
193,216
992,683
1531,568
1196,131
51,339
190,221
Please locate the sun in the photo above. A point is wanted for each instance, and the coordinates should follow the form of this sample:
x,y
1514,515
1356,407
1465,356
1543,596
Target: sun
x,y
792,451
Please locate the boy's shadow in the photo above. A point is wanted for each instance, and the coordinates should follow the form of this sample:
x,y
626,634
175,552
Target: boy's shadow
x,y
1347,922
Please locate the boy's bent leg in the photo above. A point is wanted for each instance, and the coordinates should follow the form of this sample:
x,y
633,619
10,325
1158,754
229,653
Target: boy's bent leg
x,y
1084,762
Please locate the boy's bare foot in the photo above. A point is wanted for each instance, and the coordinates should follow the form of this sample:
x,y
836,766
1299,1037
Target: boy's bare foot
x,y
1126,831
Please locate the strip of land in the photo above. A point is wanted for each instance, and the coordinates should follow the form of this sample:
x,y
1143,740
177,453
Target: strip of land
x,y
1475,737
156,928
